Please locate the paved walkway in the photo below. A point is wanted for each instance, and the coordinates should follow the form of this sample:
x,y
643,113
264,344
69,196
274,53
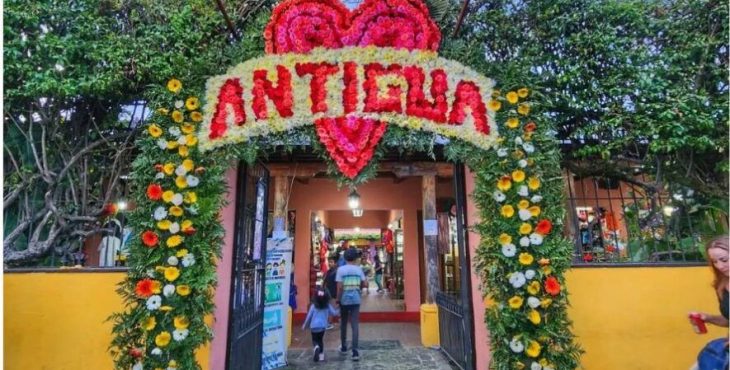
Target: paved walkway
x,y
401,358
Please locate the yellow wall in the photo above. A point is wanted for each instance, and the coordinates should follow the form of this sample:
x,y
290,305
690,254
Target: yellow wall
x,y
636,318
625,318
56,321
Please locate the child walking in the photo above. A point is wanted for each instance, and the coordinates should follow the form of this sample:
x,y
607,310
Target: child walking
x,y
317,320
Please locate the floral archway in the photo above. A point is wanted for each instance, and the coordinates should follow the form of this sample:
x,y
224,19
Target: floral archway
x,y
351,83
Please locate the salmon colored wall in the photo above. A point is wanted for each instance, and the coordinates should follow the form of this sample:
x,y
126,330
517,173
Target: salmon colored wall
x,y
377,194
372,219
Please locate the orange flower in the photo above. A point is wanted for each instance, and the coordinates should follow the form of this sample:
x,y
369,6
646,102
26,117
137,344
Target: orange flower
x,y
544,227
552,286
530,127
144,288
504,183
149,238
154,191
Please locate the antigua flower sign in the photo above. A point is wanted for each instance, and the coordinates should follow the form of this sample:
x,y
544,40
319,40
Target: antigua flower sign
x,y
345,77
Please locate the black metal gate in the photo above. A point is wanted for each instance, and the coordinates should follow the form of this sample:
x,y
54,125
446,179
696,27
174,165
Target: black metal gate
x,y
247,279
456,330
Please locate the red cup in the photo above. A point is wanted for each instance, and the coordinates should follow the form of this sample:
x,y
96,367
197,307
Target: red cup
x,y
697,323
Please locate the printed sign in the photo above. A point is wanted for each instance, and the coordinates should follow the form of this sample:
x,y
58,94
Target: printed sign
x,y
276,302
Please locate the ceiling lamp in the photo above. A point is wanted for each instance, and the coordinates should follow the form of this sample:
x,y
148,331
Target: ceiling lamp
x,y
353,200
357,212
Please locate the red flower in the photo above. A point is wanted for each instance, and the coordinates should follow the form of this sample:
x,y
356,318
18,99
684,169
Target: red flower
x,y
189,231
552,286
588,257
544,227
154,191
530,127
110,209
158,167
135,352
144,288
149,238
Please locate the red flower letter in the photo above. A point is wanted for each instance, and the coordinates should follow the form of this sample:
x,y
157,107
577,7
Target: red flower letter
x,y
373,100
281,95
228,97
467,95
416,103
317,85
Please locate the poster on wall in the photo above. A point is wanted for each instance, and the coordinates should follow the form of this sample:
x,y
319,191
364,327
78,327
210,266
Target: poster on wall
x,y
276,302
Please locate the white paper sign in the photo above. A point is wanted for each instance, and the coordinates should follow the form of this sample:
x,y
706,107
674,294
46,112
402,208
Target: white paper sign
x,y
430,228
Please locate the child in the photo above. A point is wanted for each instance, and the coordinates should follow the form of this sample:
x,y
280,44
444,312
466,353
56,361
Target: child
x,y
317,320
350,279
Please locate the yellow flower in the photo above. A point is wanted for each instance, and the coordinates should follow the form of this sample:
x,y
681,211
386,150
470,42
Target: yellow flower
x,y
190,197
190,140
163,339
518,154
172,144
172,364
495,93
168,168
149,323
544,362
533,183
526,258
154,130
174,85
547,270
515,302
523,204
518,176
533,349
534,318
156,286
523,92
177,116
494,105
186,225
187,128
513,122
168,195
523,109
174,241
182,290
163,111
533,288
164,224
181,253
181,182
525,228
512,97
504,184
545,303
505,238
172,273
508,211
188,165
535,211
196,116
181,322
183,151
519,365
165,308
192,103
176,211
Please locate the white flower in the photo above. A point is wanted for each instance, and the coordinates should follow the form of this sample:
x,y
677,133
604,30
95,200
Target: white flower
x,y
175,131
518,140
529,148
192,181
138,366
177,199
179,104
547,368
172,261
536,199
535,239
181,140
499,196
524,241
529,274
162,143
156,351
533,302
535,365
154,302
174,228
179,334
160,213
522,163
524,214
516,346
188,260
502,152
517,279
150,273
523,190
168,290
180,170
159,175
509,250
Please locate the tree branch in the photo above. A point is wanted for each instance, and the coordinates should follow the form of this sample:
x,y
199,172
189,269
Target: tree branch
x,y
229,24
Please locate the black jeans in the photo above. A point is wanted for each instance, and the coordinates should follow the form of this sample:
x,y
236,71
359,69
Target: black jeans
x,y
318,339
351,312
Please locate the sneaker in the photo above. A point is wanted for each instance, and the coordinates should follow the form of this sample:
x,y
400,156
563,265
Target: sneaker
x,y
321,356
317,353
330,326
343,350
355,355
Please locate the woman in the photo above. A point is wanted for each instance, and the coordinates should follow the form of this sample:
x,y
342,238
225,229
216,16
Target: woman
x,y
715,353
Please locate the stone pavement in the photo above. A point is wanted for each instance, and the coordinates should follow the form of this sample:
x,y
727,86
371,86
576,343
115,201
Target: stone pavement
x,y
373,357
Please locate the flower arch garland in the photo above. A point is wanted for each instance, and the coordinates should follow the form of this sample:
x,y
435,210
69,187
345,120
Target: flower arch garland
x,y
180,189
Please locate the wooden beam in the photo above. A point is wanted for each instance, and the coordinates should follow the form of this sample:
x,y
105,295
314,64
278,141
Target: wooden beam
x,y
430,242
281,196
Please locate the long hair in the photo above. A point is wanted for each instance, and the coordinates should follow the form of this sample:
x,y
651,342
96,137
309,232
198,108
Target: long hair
x,y
719,242
321,299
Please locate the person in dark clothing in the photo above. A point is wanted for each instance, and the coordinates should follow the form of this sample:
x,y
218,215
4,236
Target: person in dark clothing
x,y
330,285
378,273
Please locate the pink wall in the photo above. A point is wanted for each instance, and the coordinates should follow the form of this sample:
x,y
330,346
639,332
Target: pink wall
x,y
223,292
370,220
377,194
481,334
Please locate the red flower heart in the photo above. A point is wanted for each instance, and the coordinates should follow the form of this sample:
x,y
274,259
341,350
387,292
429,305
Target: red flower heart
x,y
350,141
